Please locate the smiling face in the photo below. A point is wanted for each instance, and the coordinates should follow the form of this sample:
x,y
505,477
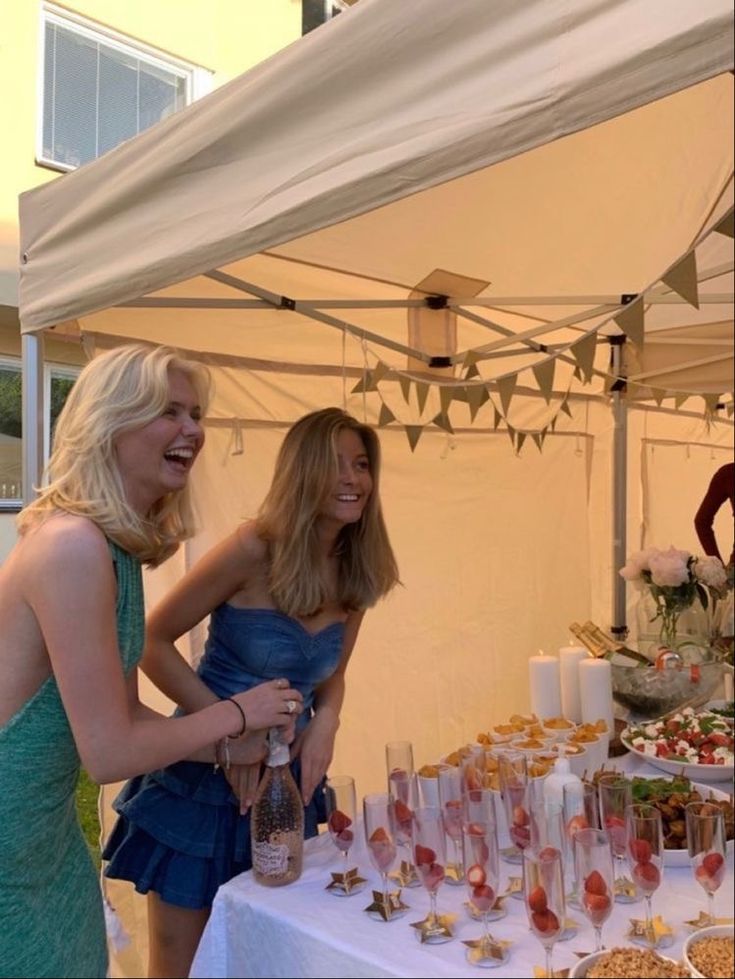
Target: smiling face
x,y
353,483
156,459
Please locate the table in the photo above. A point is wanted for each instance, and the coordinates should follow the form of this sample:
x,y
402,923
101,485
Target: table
x,y
304,931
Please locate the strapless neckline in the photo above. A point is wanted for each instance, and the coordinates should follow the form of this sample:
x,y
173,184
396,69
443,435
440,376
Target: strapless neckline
x,y
284,617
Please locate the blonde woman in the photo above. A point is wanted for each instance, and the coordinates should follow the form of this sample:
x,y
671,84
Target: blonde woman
x,y
71,633
286,593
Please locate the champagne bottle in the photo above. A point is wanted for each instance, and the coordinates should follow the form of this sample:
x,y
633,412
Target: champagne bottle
x,y
277,821
602,646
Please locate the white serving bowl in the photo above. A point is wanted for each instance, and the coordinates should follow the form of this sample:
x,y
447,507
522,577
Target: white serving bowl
x,y
579,969
714,931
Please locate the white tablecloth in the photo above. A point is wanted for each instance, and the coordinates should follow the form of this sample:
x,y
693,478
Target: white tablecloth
x,y
302,930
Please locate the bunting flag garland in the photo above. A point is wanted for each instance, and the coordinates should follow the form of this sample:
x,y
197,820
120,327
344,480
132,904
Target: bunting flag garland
x,y
442,421
386,415
446,394
365,383
379,372
470,359
538,438
413,433
471,371
565,407
583,352
511,433
422,393
544,374
727,225
520,439
680,397
577,375
497,419
405,383
506,387
658,395
476,397
682,278
630,321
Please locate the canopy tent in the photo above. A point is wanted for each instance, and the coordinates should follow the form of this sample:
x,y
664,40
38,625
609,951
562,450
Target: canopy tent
x,y
439,215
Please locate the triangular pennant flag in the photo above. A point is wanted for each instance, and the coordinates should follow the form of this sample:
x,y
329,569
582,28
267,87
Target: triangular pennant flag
x,y
565,407
405,383
422,393
379,371
658,395
446,394
442,420
364,384
544,374
413,432
577,374
386,416
476,397
679,398
470,358
536,436
511,433
498,418
506,387
552,423
630,321
711,401
520,440
727,225
583,352
682,278
472,371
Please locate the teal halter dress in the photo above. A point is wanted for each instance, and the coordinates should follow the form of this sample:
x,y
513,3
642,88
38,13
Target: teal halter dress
x,y
51,914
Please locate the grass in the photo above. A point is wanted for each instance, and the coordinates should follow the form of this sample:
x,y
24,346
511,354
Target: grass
x,y
87,792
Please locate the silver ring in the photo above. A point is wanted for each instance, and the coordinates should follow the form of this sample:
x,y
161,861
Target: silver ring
x,y
282,684
290,706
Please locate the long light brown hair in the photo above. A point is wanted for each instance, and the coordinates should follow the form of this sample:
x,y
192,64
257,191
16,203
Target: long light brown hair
x,y
118,391
304,477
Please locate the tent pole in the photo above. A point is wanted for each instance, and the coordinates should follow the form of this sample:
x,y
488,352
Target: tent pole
x,y
32,413
620,484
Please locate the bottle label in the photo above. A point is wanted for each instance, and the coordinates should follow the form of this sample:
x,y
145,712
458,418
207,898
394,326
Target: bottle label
x,y
269,859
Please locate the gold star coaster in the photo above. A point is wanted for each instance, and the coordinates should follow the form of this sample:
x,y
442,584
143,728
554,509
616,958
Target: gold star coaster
x,y
515,886
539,972
406,875
625,890
657,935
454,873
348,883
571,927
487,950
387,907
704,921
436,928
498,910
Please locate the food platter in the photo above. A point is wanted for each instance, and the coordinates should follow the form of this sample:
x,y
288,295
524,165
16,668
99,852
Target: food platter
x,y
680,858
704,773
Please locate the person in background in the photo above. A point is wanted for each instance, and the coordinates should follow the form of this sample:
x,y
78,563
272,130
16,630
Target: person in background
x,y
71,633
720,490
287,593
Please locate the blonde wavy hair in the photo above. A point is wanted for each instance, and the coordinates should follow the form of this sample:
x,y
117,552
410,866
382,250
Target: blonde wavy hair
x,y
118,391
306,468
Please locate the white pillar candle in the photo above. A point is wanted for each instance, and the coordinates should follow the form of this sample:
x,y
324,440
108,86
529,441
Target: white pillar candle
x,y
595,691
543,678
569,658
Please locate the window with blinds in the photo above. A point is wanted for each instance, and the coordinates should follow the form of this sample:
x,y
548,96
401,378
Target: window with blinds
x,y
99,91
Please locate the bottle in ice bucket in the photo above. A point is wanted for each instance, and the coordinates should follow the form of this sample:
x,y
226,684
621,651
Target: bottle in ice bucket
x,y
277,822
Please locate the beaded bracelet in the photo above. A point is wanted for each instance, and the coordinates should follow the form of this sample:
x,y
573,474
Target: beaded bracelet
x,y
244,726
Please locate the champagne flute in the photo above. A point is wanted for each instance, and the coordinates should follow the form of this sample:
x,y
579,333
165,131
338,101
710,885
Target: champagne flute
x,y
514,791
581,811
705,826
645,848
380,836
341,807
593,861
543,889
450,800
430,859
403,789
616,794
482,872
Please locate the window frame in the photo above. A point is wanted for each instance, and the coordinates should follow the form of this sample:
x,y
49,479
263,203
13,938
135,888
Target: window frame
x,y
198,80
51,369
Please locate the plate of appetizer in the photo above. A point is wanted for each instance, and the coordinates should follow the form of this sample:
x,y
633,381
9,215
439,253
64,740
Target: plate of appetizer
x,y
695,743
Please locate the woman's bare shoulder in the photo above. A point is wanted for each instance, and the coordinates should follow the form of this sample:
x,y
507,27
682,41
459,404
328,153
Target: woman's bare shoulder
x,y
252,546
66,537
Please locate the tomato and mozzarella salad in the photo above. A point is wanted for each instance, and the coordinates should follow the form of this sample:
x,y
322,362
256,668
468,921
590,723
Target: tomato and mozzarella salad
x,y
690,737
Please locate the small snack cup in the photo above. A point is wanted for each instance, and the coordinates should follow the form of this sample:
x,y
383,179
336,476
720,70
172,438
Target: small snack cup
x,y
558,728
428,779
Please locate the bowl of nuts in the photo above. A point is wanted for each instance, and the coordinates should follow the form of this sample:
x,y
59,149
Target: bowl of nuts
x,y
710,952
627,963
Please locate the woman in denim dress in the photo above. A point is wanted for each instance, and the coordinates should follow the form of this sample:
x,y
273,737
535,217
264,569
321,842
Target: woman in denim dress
x,y
286,594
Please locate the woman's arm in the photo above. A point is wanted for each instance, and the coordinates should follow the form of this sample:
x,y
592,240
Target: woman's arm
x,y
69,584
316,745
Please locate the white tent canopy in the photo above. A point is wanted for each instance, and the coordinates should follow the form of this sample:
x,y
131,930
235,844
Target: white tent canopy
x,y
449,206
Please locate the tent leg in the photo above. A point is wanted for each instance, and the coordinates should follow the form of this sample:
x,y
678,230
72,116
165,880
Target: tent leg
x,y
619,487
32,413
